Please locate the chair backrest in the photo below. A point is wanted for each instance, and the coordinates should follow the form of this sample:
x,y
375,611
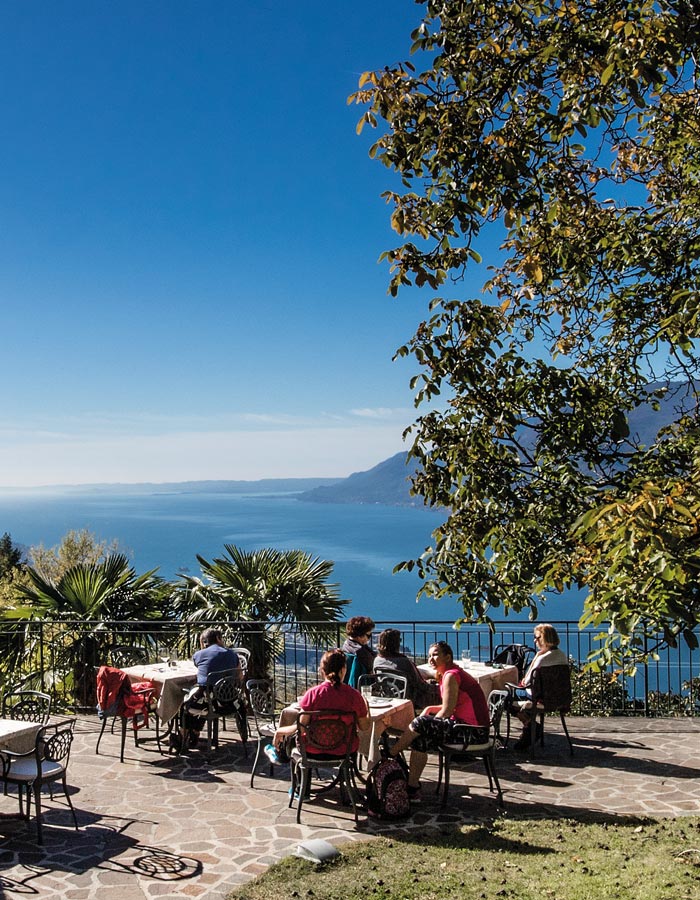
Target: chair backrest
x,y
243,657
127,655
326,732
224,692
57,745
386,683
519,655
497,703
551,688
261,698
27,706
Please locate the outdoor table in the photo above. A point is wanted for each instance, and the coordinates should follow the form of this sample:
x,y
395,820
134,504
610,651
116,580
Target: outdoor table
x,y
169,683
489,678
18,736
383,712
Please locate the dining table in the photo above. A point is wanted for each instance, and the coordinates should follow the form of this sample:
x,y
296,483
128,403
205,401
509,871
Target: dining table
x,y
384,712
170,682
17,735
490,678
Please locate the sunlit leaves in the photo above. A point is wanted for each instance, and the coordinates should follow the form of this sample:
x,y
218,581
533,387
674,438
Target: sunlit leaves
x,y
571,131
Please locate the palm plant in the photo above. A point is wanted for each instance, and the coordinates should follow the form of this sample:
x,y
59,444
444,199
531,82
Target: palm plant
x,y
263,591
85,602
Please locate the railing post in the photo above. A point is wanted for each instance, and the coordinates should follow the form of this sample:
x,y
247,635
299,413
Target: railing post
x,y
646,678
41,653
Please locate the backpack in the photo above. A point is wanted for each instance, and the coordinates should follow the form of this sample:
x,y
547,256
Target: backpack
x,y
512,655
387,790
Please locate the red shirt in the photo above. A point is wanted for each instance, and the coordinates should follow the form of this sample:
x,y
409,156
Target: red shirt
x,y
472,708
330,696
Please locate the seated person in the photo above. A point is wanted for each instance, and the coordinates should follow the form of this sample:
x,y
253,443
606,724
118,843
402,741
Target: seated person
x,y
213,659
359,634
331,693
390,658
548,654
463,702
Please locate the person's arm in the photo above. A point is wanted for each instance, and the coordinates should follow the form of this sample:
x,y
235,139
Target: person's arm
x,y
450,695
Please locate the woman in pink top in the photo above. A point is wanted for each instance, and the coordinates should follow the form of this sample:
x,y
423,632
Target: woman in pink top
x,y
331,693
463,702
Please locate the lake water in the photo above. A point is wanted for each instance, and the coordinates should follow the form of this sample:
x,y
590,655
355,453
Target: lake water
x,y
168,530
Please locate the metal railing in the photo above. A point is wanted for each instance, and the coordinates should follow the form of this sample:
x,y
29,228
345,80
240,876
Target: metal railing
x,y
60,656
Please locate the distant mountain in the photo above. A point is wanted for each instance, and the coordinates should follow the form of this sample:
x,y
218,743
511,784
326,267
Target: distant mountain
x,y
387,483
263,486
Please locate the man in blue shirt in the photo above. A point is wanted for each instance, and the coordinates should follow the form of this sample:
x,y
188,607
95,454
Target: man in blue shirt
x,y
213,659
214,656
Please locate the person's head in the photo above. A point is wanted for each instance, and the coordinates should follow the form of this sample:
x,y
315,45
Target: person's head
x,y
440,656
332,666
360,629
211,636
546,637
389,642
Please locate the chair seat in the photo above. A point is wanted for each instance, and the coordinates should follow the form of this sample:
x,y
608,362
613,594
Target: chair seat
x,y
25,770
470,748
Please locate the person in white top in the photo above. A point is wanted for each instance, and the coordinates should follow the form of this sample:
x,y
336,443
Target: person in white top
x,y
548,654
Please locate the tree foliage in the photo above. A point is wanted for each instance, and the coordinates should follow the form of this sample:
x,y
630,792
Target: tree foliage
x,y
569,132
76,547
268,589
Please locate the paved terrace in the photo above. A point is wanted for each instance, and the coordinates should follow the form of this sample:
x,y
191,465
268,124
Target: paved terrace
x,y
162,827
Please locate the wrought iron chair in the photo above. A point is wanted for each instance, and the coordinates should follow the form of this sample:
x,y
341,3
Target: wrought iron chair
x,y
46,763
243,654
27,706
519,655
551,692
118,698
324,738
463,746
261,698
385,684
225,697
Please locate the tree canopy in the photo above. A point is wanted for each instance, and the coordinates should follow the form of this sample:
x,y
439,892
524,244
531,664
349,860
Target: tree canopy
x,y
568,132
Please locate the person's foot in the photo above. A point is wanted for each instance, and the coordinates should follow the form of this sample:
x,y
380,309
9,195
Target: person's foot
x,y
307,795
271,753
414,793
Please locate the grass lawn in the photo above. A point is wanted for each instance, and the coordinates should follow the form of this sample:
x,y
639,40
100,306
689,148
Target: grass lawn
x,y
555,859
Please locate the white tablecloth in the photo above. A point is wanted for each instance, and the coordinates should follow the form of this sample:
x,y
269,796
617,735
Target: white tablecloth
x,y
170,683
18,736
489,679
389,714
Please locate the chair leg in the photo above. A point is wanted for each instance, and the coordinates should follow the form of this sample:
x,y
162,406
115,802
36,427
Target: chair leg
x,y
533,732
302,789
566,732
256,760
70,802
490,760
37,811
445,772
102,731
123,741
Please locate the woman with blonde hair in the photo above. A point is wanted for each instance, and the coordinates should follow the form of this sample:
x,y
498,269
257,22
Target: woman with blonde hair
x,y
548,654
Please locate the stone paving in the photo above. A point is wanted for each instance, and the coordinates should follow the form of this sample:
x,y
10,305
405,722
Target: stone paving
x,y
178,827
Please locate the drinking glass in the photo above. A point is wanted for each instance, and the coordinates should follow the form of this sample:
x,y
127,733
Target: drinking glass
x,y
366,691
466,658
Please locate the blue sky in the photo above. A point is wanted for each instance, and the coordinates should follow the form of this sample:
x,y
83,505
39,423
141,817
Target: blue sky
x,y
191,228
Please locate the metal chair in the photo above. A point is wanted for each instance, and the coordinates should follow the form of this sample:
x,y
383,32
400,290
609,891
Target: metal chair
x,y
225,697
385,683
464,746
324,738
119,699
27,706
243,654
46,763
261,698
551,692
519,655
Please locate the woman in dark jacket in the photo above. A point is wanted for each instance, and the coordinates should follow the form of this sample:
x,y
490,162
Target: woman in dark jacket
x,y
359,633
390,658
